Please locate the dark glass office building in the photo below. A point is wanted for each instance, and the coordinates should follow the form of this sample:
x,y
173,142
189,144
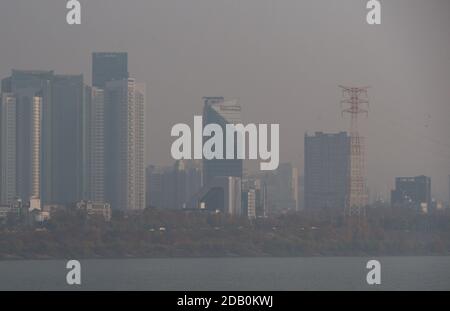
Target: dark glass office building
x,y
219,111
67,139
327,160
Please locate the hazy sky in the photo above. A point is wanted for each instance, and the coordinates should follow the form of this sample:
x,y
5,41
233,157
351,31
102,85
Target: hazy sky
x,y
283,59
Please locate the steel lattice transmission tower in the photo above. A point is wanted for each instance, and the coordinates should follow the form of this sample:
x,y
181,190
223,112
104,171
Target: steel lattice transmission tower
x,y
355,102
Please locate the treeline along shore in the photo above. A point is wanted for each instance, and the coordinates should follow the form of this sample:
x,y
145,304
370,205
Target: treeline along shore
x,y
152,232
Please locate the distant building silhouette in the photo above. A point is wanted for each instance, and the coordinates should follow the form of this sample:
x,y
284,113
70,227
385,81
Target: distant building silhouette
x,y
67,128
412,192
282,188
327,159
173,187
187,181
154,186
301,192
108,66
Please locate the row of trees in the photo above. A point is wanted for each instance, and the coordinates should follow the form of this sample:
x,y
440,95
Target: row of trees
x,y
165,233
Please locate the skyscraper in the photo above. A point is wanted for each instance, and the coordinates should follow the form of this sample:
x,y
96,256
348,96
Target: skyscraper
x,y
35,147
95,144
32,92
108,66
8,148
67,139
124,149
217,110
327,159
221,177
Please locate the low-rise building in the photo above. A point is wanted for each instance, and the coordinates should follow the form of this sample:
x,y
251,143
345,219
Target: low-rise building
x,y
15,210
96,209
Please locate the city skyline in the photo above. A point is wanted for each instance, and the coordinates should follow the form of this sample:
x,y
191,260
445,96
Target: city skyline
x,y
69,95
279,69
63,141
211,149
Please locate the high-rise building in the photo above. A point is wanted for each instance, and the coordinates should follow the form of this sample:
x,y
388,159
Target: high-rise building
x,y
139,130
327,159
32,92
154,186
49,133
35,147
412,192
221,177
95,145
282,188
108,66
67,139
8,154
124,148
219,111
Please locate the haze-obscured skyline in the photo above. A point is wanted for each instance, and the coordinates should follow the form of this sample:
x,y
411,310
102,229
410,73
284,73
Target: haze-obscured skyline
x,y
283,59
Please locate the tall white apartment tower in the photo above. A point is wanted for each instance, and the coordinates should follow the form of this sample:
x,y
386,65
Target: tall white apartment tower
x,y
20,172
31,93
140,92
8,148
124,149
95,145
35,147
